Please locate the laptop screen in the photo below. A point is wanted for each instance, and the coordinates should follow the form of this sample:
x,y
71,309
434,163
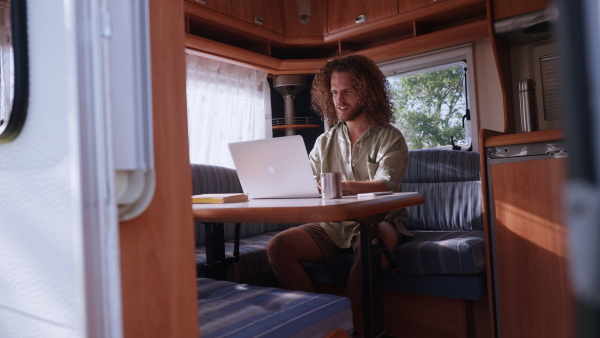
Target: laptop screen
x,y
274,168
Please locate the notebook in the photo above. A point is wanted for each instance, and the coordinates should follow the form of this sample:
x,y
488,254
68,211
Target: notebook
x,y
274,168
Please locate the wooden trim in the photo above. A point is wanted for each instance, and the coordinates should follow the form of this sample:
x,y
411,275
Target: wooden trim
x,y
483,135
219,51
303,210
296,126
307,66
534,136
223,52
446,38
502,55
158,268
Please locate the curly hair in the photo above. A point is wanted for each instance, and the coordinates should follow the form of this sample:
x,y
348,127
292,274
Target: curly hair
x,y
369,82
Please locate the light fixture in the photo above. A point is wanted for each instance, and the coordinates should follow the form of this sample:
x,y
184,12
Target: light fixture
x,y
303,10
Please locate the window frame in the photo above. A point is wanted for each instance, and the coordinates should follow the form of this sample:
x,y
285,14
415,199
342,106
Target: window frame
x,y
463,52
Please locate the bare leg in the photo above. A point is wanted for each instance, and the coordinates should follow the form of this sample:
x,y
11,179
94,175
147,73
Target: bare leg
x,y
287,251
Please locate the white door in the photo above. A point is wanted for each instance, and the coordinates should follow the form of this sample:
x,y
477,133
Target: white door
x,y
59,246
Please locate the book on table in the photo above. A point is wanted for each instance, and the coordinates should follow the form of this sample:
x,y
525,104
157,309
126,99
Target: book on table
x,y
219,198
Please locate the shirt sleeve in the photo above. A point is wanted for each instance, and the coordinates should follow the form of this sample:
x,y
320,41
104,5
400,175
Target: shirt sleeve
x,y
315,157
392,160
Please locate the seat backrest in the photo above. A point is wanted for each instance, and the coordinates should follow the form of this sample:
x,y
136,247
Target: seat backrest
x,y
212,179
450,181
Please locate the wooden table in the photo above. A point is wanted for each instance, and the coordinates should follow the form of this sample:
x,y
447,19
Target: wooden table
x,y
368,212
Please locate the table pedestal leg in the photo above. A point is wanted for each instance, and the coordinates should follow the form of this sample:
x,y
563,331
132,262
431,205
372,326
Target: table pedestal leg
x,y
215,251
370,256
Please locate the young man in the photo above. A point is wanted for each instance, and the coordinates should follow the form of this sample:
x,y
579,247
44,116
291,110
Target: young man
x,y
353,96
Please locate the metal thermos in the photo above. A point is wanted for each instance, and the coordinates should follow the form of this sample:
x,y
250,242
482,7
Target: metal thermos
x,y
527,105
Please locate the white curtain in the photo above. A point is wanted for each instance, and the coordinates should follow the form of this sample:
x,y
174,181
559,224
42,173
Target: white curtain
x,y
225,103
6,63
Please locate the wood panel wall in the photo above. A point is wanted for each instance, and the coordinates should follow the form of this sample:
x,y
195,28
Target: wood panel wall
x,y
157,248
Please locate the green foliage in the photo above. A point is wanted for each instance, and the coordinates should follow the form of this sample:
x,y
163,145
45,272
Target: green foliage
x,y
430,106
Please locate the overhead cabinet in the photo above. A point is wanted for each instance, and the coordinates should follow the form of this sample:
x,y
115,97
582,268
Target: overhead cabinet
x,y
506,8
222,6
409,5
348,13
271,36
263,13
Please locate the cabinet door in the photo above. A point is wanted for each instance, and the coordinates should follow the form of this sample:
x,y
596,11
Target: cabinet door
x,y
263,13
346,13
505,8
530,255
409,5
315,25
223,6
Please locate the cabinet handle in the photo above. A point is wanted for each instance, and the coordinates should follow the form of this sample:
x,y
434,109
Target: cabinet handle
x,y
201,2
360,18
259,21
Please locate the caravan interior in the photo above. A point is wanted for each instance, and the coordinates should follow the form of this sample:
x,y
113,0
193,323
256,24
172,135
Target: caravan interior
x,y
113,113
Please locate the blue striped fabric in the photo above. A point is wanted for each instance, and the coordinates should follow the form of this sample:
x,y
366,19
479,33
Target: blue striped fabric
x,y
428,253
229,309
451,184
253,260
442,252
448,206
441,165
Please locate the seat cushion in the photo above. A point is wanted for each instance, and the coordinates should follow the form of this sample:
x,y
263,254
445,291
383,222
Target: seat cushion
x,y
442,253
428,253
237,310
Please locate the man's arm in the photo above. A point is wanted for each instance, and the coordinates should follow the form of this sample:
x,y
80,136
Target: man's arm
x,y
354,187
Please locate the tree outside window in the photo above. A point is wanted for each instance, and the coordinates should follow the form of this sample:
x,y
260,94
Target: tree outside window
x,y
430,106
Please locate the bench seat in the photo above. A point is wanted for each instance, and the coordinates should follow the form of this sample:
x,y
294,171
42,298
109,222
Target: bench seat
x,y
446,257
238,310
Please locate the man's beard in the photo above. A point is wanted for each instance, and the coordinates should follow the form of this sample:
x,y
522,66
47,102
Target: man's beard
x,y
349,115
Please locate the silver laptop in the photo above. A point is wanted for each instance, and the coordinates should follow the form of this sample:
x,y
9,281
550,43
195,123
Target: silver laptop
x,y
274,168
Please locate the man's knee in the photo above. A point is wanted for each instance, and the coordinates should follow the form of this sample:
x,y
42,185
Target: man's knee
x,y
275,247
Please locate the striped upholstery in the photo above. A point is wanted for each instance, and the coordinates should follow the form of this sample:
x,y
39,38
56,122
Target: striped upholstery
x,y
235,310
442,252
428,253
253,264
450,182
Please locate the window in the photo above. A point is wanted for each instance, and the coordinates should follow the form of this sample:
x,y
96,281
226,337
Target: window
x,y
431,97
6,64
225,103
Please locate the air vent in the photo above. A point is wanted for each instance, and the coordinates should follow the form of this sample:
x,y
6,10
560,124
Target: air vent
x,y
529,27
542,27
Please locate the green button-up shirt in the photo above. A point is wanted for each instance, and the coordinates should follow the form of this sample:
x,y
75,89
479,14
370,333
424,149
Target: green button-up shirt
x,y
379,154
